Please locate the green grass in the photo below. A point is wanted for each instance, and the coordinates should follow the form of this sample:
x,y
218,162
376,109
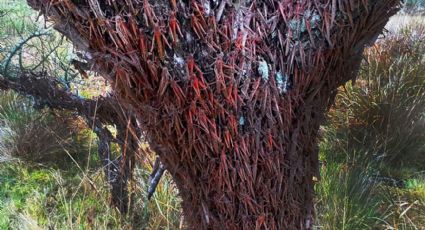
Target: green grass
x,y
21,193
49,189
383,115
163,211
373,145
71,199
42,187
51,198
18,19
345,199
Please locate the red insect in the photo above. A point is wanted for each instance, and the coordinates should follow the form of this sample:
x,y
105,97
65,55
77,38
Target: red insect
x,y
212,23
163,84
178,92
133,27
228,139
173,4
123,33
159,38
199,10
239,41
232,124
190,113
174,27
195,86
149,13
269,141
192,67
152,70
197,26
143,47
219,74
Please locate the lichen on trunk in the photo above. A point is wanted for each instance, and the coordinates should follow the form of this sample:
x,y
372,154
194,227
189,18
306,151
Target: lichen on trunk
x,y
230,94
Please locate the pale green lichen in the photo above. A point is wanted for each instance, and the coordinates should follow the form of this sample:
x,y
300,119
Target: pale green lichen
x,y
263,69
282,82
241,120
299,25
315,20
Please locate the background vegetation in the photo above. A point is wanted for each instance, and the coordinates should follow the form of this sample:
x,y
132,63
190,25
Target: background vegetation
x,y
372,148
373,145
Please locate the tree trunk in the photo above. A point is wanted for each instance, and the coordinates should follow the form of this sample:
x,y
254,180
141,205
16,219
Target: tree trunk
x,y
230,94
260,181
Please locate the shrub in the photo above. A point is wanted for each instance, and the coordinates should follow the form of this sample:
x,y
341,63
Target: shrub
x,y
38,136
375,140
345,198
383,116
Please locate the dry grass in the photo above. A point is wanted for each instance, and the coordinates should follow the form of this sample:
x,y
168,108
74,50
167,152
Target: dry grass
x,y
374,144
38,136
400,21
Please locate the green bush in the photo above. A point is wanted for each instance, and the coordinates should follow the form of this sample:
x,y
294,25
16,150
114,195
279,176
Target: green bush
x,y
345,198
374,142
415,2
39,136
383,115
41,187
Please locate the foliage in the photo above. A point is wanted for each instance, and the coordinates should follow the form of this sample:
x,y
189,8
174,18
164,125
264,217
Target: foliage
x,y
42,195
403,208
38,197
383,117
15,19
44,188
39,136
415,2
213,97
379,121
29,43
345,198
373,144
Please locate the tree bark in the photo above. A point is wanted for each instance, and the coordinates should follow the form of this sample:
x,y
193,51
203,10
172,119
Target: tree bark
x,y
230,94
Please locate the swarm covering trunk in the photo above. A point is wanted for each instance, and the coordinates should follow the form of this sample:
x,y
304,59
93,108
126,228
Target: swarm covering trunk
x,y
229,93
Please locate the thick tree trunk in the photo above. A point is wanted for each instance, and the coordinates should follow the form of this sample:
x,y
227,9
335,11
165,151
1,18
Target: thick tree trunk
x,y
230,94
262,178
254,184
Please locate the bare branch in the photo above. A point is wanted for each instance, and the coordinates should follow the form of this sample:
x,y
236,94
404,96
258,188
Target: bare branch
x,y
17,49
